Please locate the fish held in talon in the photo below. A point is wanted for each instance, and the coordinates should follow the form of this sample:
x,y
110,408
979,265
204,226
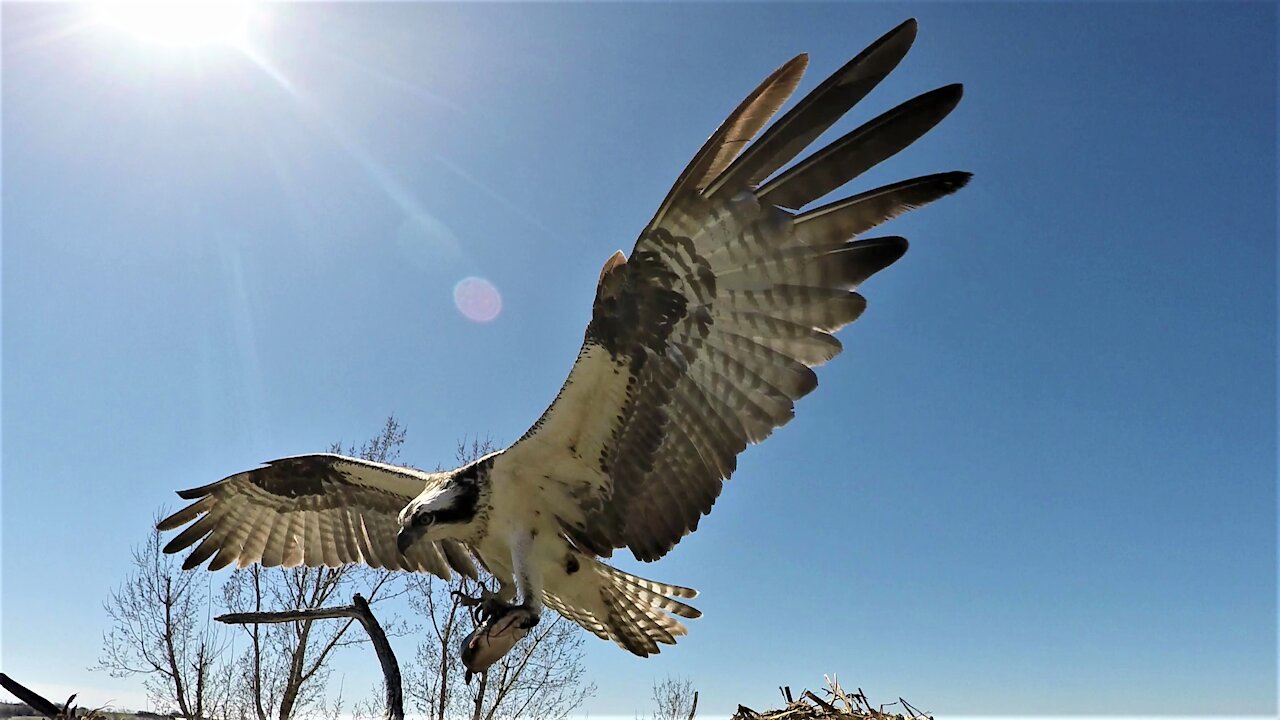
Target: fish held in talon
x,y
492,639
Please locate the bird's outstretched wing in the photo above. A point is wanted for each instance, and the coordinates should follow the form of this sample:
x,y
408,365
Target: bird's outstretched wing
x,y
310,510
702,340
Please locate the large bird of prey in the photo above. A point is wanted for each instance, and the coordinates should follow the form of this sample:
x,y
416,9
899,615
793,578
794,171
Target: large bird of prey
x,y
699,344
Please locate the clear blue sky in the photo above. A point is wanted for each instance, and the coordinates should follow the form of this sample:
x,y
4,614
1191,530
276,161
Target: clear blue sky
x,y
1041,479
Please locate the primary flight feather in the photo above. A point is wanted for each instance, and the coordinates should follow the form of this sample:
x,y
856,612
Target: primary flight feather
x,y
699,344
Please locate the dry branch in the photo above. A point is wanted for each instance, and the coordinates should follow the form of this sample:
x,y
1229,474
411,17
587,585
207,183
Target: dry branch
x,y
358,609
36,700
840,705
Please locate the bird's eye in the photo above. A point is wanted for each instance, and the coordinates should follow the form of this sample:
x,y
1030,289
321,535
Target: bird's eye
x,y
424,517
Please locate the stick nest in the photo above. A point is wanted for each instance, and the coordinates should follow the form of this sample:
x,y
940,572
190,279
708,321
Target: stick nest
x,y
838,704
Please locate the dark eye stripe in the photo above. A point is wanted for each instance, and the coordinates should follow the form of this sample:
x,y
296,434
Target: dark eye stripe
x,y
463,508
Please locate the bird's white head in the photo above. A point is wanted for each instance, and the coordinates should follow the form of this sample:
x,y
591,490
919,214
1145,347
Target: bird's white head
x,y
440,512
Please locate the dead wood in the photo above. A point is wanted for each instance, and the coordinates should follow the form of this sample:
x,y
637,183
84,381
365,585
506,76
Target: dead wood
x,y
358,609
838,705
34,699
44,706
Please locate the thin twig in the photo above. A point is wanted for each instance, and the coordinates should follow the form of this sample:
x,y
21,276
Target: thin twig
x,y
915,711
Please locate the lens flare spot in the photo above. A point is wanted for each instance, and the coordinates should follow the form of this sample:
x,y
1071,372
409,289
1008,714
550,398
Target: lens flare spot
x,y
477,299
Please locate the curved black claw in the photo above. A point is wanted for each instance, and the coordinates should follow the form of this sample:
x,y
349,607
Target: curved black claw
x,y
464,599
485,607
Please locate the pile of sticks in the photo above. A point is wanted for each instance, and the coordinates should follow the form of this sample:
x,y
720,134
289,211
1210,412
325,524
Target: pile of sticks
x,y
838,705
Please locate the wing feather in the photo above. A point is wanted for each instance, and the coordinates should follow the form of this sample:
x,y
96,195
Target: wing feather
x,y
328,539
203,551
224,557
859,213
819,110
256,542
295,529
860,150
802,343
459,559
192,533
314,510
350,544
702,340
273,552
737,130
313,545
368,548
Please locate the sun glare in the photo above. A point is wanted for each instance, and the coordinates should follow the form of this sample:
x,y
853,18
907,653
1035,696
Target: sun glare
x,y
179,24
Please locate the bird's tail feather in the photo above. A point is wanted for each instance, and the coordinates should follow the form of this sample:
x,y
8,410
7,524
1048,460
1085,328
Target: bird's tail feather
x,y
634,612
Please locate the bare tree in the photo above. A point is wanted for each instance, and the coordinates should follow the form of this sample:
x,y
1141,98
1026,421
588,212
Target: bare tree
x,y
542,677
357,610
161,629
284,668
674,699
434,684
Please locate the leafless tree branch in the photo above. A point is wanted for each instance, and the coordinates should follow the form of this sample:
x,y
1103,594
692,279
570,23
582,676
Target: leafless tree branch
x,y
674,699
357,610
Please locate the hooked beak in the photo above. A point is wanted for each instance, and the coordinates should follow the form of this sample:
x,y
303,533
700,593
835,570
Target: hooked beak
x,y
407,536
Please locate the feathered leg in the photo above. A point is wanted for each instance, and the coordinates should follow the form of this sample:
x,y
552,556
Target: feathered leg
x,y
528,578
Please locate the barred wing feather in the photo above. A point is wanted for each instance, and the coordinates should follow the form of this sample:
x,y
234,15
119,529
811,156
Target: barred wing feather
x,y
314,510
701,341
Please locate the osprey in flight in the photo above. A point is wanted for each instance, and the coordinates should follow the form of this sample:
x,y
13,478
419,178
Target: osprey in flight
x,y
699,344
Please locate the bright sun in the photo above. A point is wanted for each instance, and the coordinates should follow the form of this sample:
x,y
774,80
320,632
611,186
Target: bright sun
x,y
179,24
